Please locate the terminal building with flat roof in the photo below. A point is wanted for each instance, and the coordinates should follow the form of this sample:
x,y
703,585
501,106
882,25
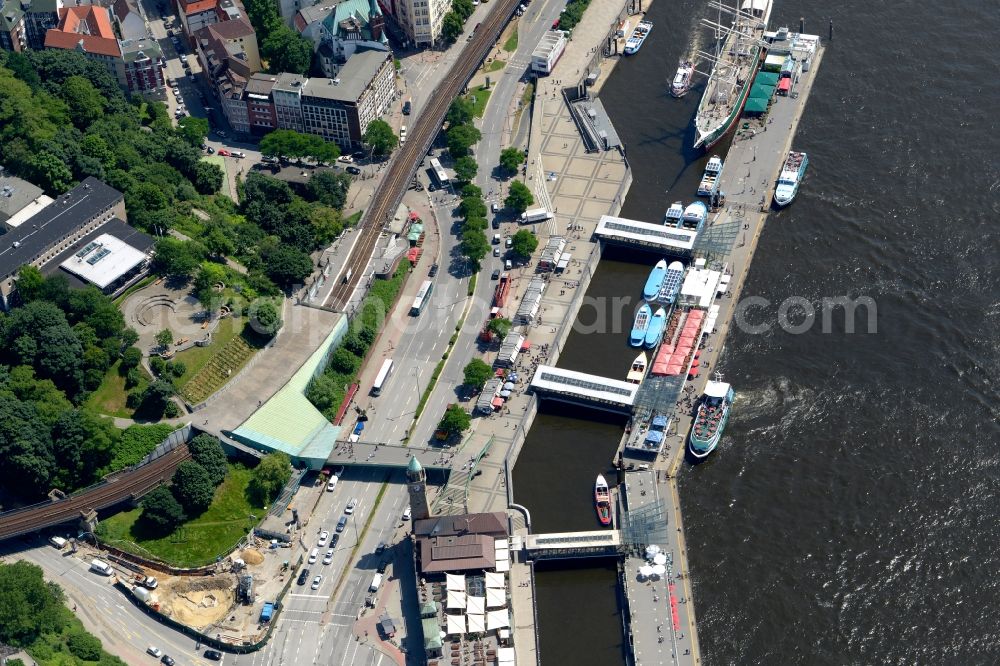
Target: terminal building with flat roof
x,y
19,200
67,226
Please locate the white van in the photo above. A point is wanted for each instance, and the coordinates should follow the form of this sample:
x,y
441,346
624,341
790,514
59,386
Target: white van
x,y
313,555
332,484
402,134
58,542
101,567
376,583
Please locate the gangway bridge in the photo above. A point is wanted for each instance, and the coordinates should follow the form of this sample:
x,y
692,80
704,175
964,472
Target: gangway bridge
x,y
581,388
572,545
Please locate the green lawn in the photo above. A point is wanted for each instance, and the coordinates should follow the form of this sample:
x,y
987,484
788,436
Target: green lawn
x,y
479,96
221,162
496,65
109,398
195,358
211,367
511,44
199,541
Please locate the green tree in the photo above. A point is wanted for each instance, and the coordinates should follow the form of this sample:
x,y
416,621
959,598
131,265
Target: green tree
x,y
84,101
29,606
82,444
192,487
128,337
131,358
84,646
269,477
209,275
510,159
49,172
285,143
455,421
463,8
207,177
329,188
162,510
524,243
500,327
321,150
380,137
26,459
287,51
179,369
206,450
466,168
460,111
474,247
165,338
29,283
156,396
62,358
266,319
193,130
461,138
451,27
471,191
287,265
177,258
326,222
472,207
519,197
477,373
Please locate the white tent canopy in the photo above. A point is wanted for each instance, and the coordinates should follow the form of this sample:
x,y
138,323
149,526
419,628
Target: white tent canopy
x,y
477,605
651,551
505,655
477,624
645,571
659,569
495,580
456,624
456,599
660,558
497,619
502,565
495,597
456,582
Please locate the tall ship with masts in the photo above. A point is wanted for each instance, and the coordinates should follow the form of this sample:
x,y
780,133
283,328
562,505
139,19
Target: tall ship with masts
x,y
734,64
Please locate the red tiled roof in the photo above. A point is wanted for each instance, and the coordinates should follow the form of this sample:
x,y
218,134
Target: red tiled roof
x,y
89,24
199,6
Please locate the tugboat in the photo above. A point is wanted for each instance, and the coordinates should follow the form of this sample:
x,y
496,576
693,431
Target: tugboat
x,y
602,500
792,173
638,36
710,421
655,330
682,79
640,325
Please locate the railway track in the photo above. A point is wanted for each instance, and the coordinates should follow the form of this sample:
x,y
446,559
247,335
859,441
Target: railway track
x,y
404,163
114,490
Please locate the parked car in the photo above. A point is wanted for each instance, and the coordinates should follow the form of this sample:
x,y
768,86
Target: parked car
x,y
155,651
224,153
407,513
214,655
496,252
495,275
407,106
347,159
353,170
239,153
433,271
210,150
167,660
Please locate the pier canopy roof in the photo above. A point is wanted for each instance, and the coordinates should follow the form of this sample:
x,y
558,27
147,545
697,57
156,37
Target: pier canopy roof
x,y
646,235
587,388
756,106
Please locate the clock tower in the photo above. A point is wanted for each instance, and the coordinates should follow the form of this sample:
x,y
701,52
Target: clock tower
x,y
416,482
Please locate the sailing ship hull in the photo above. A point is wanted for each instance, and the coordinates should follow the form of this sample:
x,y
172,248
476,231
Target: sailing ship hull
x,y
709,139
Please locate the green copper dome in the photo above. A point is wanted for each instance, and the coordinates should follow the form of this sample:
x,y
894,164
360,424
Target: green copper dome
x,y
414,467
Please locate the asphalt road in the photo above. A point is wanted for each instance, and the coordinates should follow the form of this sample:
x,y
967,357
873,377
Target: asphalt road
x,y
314,627
107,613
532,26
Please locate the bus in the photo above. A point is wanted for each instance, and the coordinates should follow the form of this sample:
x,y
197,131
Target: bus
x,y
423,296
383,376
437,173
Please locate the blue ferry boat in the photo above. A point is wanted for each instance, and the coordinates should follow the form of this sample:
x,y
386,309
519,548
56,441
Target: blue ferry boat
x,y
652,288
638,36
710,421
640,325
655,330
694,216
792,173
672,218
671,283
